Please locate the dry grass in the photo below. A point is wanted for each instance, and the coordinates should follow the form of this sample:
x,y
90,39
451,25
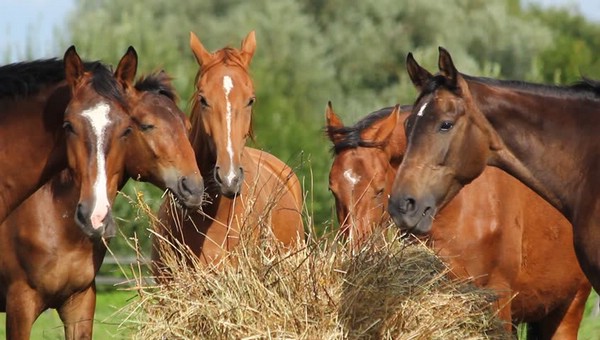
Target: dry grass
x,y
390,289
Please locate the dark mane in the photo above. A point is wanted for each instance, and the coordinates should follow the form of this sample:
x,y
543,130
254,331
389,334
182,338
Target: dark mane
x,y
584,89
24,79
349,136
159,82
105,84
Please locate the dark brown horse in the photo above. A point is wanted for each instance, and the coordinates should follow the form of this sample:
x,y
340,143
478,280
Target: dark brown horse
x,y
543,135
47,260
33,98
509,249
245,187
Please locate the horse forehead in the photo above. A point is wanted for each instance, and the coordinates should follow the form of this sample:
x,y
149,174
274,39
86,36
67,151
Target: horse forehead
x,y
157,107
98,116
236,79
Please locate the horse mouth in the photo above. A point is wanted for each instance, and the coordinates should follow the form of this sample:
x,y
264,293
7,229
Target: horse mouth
x,y
187,201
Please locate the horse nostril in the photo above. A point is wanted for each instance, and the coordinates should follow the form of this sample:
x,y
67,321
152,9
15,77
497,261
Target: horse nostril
x,y
80,214
409,204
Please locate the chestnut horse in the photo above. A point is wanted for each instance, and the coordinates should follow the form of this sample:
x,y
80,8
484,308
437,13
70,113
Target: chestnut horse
x,y
509,250
49,261
543,135
245,187
33,98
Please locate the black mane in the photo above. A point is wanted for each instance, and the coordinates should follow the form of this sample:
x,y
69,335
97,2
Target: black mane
x,y
584,89
25,79
159,82
349,136
105,84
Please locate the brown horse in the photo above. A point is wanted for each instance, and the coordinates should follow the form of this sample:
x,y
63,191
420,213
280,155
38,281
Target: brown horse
x,y
33,98
47,260
242,183
543,135
509,250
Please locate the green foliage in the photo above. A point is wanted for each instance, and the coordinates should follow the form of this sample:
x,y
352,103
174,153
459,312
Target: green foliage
x,y
573,52
312,51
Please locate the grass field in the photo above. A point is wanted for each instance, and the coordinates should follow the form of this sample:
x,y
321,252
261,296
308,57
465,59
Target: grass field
x,y
108,320
106,325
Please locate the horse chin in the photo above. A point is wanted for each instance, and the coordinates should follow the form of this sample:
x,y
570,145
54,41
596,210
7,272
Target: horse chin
x,y
229,192
107,230
191,202
418,225
423,227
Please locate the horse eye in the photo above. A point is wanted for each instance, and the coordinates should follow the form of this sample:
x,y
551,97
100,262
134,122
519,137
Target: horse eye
x,y
203,101
68,127
146,127
251,101
446,126
127,132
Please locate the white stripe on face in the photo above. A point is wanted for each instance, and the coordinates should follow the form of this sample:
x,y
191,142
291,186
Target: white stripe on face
x,y
228,86
351,177
99,120
422,110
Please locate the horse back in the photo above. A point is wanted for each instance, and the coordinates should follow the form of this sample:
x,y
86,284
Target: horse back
x,y
282,187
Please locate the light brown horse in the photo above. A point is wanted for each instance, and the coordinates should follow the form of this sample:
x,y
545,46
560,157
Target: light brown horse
x,y
517,244
245,187
545,136
34,146
47,260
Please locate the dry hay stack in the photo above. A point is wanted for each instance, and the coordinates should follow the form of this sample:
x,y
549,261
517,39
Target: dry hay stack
x,y
388,290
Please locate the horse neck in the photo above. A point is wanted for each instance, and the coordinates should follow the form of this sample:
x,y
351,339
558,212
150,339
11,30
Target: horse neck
x,y
37,148
540,139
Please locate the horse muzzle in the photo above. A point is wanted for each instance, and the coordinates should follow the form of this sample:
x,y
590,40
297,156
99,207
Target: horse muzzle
x,y
95,226
412,215
189,191
230,183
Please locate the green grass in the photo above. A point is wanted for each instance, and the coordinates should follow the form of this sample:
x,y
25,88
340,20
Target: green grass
x,y
590,326
106,320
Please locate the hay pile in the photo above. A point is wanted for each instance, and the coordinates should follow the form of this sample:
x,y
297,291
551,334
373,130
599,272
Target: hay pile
x,y
388,290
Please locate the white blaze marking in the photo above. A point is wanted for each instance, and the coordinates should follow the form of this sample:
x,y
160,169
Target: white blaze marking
x,y
351,177
422,109
227,86
99,120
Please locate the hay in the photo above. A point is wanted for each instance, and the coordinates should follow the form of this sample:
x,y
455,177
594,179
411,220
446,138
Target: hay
x,y
390,289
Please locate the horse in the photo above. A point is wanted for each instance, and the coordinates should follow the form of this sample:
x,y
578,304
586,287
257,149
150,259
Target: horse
x,y
47,259
509,251
245,188
39,137
543,135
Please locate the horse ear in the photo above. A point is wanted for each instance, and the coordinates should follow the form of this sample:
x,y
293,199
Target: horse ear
x,y
334,123
382,129
248,47
73,66
447,68
418,75
127,67
201,54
